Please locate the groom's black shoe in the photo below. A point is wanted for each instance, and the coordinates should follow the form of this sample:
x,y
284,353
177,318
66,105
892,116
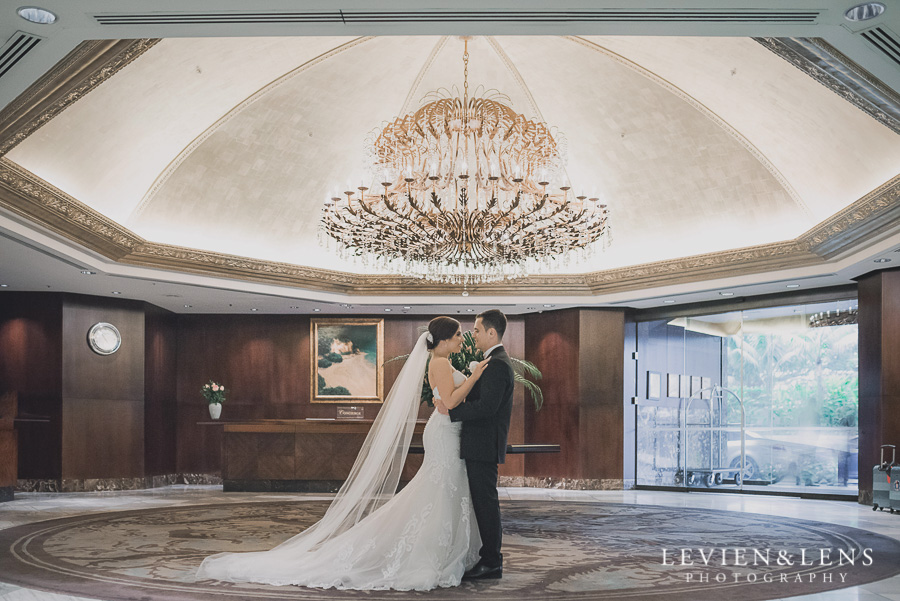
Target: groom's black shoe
x,y
483,572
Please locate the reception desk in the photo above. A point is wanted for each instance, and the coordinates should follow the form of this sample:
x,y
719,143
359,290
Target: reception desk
x,y
297,455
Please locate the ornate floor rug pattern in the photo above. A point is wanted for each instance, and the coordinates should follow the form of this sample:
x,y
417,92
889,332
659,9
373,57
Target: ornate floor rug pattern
x,y
553,550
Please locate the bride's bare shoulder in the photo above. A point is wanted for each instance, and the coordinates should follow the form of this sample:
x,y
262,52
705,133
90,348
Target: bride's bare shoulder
x,y
441,363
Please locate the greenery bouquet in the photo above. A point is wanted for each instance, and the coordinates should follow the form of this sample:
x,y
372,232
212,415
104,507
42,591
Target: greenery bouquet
x,y
469,354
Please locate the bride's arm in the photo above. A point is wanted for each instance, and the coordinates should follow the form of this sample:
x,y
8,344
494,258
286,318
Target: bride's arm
x,y
442,378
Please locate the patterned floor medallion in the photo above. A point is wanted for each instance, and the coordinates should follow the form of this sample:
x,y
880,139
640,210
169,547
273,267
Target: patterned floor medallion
x,y
565,551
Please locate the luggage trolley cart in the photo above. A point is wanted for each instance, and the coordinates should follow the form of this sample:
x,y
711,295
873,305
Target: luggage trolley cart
x,y
712,474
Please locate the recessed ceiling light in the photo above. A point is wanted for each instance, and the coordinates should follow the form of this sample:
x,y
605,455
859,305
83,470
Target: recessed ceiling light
x,y
116,292
188,306
792,286
41,16
726,294
548,306
470,310
864,11
882,260
4,285
88,272
317,310
254,309
669,302
407,308
387,310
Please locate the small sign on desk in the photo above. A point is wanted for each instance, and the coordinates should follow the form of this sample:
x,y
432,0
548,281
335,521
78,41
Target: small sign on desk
x,y
351,412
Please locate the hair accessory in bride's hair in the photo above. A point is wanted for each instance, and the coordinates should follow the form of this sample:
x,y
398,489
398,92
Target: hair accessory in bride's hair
x,y
429,338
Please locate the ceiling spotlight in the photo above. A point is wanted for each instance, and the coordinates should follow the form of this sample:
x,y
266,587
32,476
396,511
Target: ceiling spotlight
x,y
548,306
407,308
41,16
188,306
88,272
864,12
792,286
882,260
116,292
317,310
387,310
470,310
669,302
726,294
254,309
4,285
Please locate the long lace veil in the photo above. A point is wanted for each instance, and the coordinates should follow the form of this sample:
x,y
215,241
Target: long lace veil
x,y
373,478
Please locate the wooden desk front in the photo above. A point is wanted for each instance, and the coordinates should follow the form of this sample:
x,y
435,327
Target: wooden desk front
x,y
296,455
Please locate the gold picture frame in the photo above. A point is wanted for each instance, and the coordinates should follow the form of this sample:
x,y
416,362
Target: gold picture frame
x,y
342,367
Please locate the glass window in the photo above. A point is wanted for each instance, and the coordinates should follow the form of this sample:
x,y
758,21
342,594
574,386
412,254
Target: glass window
x,y
794,372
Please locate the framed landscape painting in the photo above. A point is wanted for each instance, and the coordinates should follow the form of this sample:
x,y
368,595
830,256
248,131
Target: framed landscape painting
x,y
347,357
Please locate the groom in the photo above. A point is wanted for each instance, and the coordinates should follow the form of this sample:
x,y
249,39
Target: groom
x,y
485,416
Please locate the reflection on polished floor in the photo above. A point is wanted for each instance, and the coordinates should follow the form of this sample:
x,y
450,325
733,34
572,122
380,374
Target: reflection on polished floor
x,y
33,507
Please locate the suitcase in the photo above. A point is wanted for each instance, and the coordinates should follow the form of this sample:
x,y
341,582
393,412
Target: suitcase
x,y
881,479
895,490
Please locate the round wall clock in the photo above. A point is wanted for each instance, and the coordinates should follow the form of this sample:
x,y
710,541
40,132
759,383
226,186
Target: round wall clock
x,y
104,338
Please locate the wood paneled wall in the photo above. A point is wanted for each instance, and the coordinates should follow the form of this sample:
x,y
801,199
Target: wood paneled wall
x,y
136,413
102,396
580,352
9,448
264,361
160,406
31,365
879,371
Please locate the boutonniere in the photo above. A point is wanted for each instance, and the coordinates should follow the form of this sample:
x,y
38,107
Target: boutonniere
x,y
472,366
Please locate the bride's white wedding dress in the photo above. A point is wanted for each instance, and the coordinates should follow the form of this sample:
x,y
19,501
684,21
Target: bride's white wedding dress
x,y
424,537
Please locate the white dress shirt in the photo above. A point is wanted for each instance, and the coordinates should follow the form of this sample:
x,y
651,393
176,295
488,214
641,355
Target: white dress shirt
x,y
488,352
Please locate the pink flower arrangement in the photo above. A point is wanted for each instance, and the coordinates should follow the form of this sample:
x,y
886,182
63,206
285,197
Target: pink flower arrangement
x,y
213,392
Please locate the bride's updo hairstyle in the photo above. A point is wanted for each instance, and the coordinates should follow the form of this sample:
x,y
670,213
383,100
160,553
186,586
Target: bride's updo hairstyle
x,y
441,328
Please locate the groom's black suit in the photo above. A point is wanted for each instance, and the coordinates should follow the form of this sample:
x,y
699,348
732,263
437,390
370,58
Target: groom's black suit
x,y
485,416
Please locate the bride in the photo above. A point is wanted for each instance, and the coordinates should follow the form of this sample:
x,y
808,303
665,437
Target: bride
x,y
424,536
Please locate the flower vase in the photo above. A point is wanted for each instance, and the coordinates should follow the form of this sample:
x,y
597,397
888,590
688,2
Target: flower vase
x,y
215,410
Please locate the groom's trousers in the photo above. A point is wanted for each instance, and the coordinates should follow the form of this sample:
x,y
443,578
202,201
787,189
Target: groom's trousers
x,y
483,489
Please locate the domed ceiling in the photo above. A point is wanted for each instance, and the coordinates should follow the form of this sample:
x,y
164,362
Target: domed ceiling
x,y
231,145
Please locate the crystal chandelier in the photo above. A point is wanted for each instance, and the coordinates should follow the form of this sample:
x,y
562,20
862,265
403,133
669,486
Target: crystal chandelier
x,y
466,196
840,317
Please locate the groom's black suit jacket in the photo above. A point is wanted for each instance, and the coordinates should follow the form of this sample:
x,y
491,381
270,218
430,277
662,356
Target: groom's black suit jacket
x,y
485,414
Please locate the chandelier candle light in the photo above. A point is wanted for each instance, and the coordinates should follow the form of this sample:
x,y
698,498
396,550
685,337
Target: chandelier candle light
x,y
466,196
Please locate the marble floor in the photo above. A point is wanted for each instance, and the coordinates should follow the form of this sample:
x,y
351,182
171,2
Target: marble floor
x,y
33,507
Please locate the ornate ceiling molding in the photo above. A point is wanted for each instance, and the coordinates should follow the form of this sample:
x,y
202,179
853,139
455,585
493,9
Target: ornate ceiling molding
x,y
27,195
870,217
827,65
79,72
93,62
